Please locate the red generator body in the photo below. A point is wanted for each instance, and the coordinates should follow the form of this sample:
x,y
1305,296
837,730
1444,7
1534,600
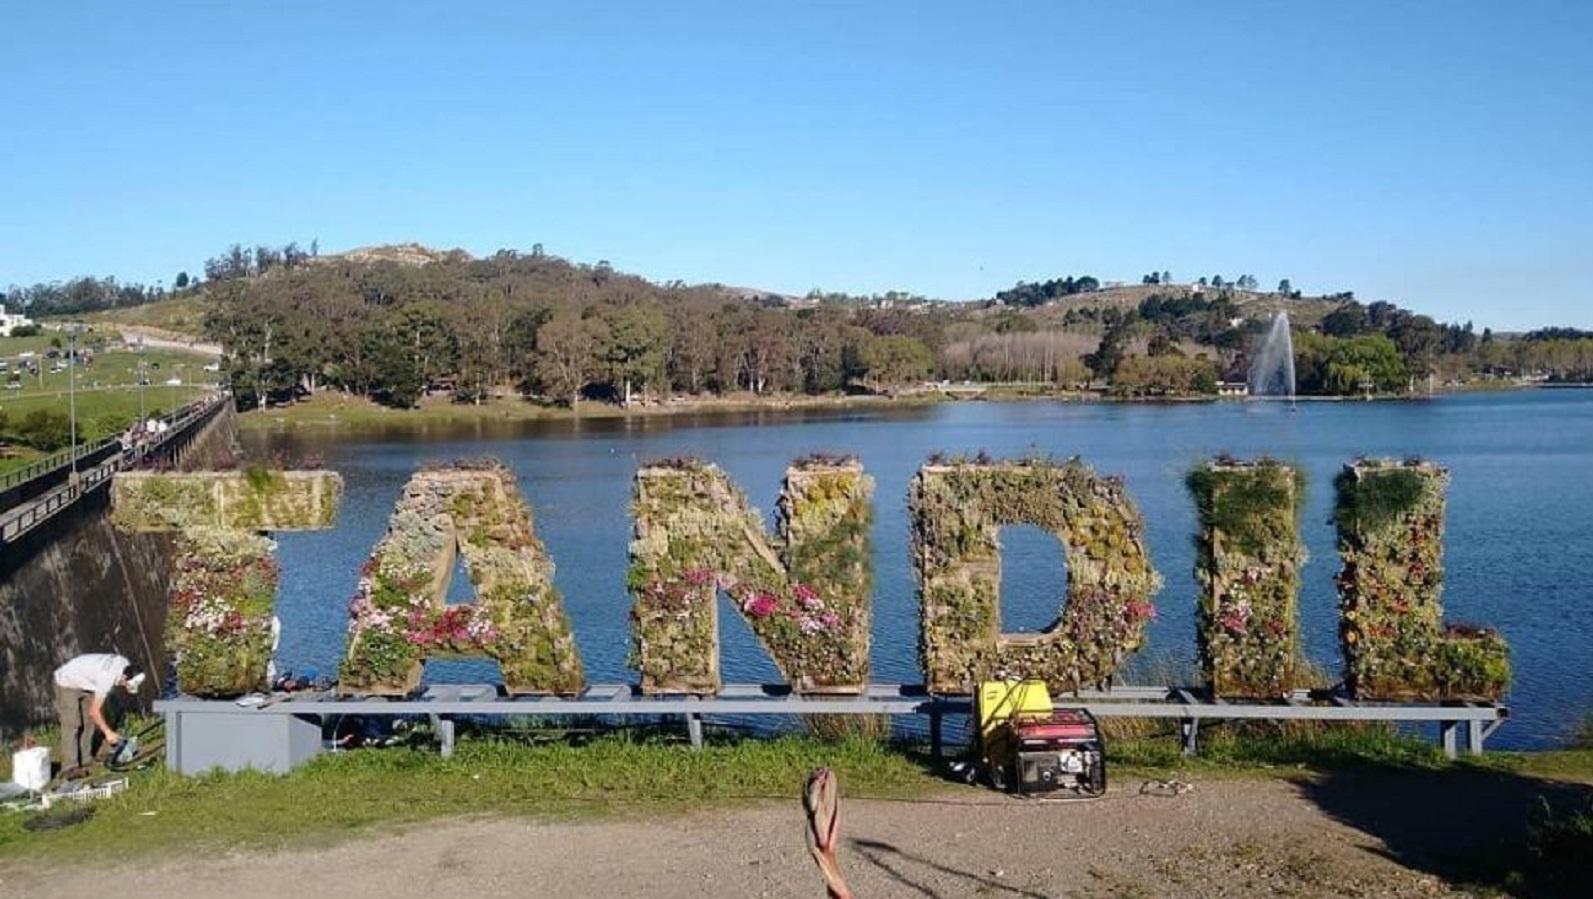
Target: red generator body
x,y
1033,754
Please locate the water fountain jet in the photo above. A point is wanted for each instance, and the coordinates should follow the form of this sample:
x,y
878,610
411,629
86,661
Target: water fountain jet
x,y
1272,372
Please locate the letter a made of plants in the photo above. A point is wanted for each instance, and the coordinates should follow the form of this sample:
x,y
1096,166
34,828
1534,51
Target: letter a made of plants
x,y
957,511
805,592
1390,519
224,587
398,617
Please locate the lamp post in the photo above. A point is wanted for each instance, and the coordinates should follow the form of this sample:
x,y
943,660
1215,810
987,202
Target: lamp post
x,y
71,389
143,381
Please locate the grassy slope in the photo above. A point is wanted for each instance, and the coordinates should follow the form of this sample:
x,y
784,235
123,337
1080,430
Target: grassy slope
x,y
107,391
180,315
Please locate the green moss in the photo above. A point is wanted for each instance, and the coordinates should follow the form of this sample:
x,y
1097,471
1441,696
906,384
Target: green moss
x,y
1373,499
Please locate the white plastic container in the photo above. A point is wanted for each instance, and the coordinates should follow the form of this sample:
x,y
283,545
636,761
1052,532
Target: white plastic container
x,y
30,768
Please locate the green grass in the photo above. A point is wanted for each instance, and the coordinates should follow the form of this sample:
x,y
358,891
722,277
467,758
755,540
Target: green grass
x,y
113,368
107,393
335,410
337,795
511,773
183,315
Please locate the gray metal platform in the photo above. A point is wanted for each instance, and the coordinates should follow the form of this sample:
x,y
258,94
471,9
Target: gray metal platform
x,y
197,729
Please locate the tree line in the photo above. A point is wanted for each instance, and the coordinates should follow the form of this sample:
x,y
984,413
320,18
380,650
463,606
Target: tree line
x,y
293,321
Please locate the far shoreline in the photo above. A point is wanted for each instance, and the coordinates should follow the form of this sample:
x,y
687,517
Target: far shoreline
x,y
330,410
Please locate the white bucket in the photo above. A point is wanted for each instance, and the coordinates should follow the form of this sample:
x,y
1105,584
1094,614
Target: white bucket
x,y
30,768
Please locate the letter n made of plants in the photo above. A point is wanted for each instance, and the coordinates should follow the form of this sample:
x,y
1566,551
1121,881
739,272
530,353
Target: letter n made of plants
x,y
398,617
224,583
805,592
1248,556
957,511
1390,518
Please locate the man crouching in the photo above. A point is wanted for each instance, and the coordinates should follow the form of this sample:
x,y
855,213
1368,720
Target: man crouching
x,y
81,686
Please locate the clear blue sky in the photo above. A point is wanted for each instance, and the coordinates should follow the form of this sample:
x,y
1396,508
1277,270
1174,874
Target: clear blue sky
x,y
1436,154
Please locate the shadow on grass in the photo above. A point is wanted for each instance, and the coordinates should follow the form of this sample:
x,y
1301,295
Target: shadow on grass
x,y
1523,835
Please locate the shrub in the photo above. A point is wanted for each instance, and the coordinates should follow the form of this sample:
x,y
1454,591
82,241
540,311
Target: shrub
x,y
45,430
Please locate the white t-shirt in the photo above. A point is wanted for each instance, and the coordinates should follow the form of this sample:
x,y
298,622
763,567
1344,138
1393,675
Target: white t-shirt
x,y
95,672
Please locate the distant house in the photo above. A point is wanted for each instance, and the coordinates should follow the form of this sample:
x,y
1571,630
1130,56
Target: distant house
x,y
10,322
1237,389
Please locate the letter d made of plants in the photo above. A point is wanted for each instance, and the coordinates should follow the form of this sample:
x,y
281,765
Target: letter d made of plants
x,y
958,509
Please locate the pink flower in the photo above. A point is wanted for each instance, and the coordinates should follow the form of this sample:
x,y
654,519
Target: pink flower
x,y
699,577
760,605
1139,610
1237,619
831,621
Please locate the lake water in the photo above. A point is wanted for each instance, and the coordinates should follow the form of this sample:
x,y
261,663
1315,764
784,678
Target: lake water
x,y
1519,547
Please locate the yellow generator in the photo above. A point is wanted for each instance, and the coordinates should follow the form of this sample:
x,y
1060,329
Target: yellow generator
x,y
1028,746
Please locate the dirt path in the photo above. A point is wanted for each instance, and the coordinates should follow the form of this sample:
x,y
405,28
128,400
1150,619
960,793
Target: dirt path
x,y
1225,838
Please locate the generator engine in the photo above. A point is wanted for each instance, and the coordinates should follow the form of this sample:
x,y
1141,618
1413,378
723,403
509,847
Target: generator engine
x,y
1028,747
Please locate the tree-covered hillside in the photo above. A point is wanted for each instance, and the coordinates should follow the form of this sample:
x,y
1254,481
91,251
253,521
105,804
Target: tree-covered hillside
x,y
396,323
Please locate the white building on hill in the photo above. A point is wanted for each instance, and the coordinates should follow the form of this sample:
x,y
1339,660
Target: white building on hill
x,y
9,322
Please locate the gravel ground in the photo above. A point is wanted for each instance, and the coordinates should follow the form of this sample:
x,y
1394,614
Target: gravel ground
x,y
1223,838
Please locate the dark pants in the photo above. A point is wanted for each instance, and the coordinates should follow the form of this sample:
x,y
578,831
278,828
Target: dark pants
x,y
77,731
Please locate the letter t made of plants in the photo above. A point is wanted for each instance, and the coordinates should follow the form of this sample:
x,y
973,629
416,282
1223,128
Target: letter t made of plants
x,y
224,583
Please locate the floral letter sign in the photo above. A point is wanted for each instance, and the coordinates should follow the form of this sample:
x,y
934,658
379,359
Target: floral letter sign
x,y
805,592
958,509
1247,561
1391,531
218,628
398,619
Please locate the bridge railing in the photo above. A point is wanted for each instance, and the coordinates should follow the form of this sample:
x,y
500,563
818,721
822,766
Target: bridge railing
x,y
47,498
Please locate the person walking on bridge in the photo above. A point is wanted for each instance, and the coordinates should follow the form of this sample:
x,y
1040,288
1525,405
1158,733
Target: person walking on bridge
x,y
81,686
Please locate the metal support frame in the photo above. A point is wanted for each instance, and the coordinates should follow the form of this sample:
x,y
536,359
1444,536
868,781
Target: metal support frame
x,y
694,727
444,704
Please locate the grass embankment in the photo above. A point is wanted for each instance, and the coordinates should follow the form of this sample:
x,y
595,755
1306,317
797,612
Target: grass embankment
x,y
107,392
516,773
179,315
336,410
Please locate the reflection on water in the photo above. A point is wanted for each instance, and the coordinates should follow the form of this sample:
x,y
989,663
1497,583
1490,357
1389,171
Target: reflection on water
x,y
1519,551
